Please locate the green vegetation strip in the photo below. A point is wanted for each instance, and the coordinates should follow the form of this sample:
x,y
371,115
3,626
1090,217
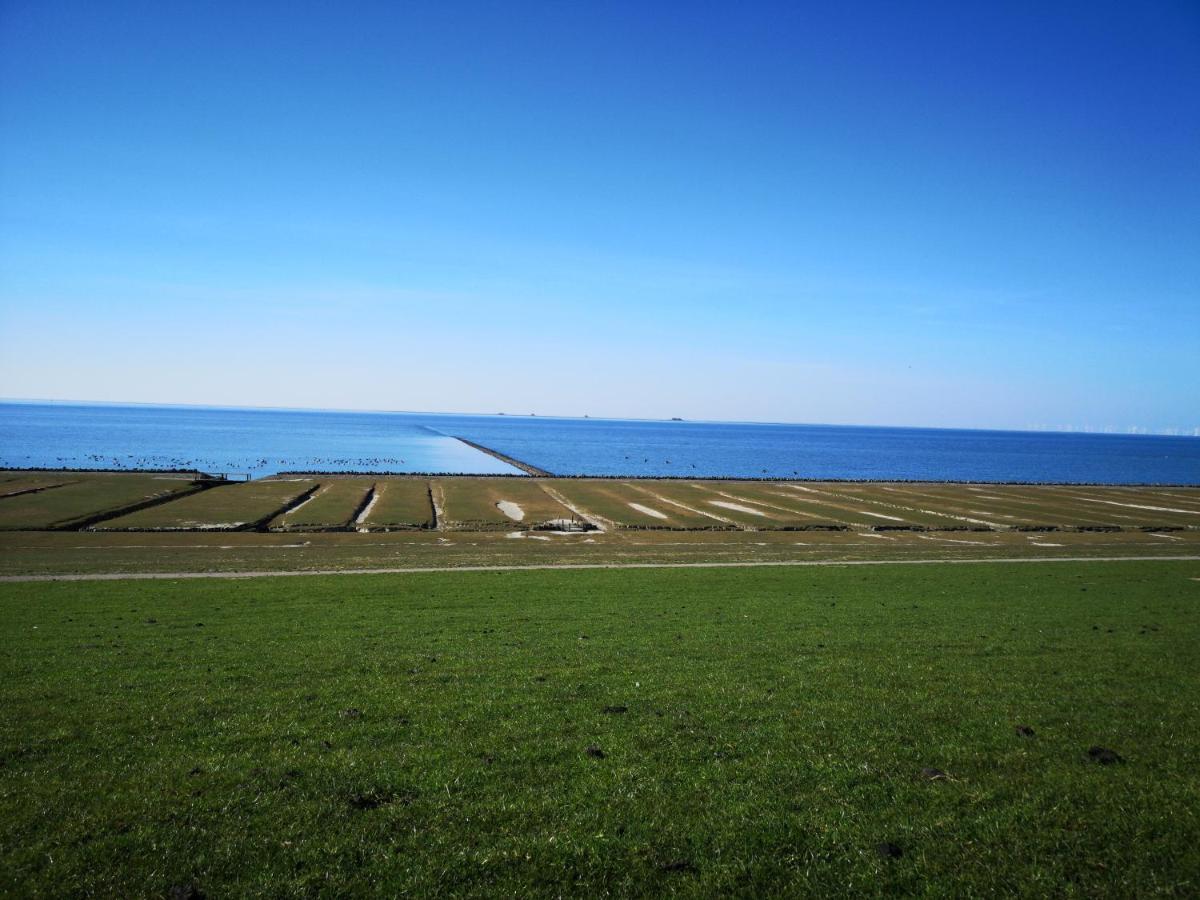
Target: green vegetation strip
x,y
248,503
400,503
952,730
333,505
86,496
476,503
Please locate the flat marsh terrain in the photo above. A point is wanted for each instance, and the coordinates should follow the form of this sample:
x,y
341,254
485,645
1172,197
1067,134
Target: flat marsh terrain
x,y
947,729
859,688
299,503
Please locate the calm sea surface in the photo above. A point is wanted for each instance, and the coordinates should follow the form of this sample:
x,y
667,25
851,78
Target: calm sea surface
x,y
262,442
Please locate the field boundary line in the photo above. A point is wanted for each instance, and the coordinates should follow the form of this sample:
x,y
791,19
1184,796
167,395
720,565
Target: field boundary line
x,y
425,570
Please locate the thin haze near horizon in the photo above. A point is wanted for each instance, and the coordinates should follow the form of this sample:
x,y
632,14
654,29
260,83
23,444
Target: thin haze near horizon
x,y
915,214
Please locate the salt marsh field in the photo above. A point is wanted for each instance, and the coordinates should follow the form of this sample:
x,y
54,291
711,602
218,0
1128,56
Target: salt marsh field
x,y
173,501
265,442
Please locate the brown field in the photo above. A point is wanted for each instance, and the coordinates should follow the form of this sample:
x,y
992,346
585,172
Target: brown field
x,y
111,501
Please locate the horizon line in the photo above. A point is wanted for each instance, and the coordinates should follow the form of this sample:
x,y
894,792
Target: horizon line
x,y
1038,429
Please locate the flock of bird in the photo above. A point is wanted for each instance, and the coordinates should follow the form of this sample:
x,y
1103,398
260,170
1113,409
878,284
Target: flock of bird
x,y
131,461
312,463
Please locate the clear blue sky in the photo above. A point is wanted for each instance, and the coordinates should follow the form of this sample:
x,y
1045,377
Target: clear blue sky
x,y
880,213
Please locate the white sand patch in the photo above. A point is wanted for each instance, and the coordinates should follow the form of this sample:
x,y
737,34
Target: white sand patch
x,y
725,504
649,511
671,501
1170,509
512,510
1169,537
311,497
538,537
942,540
362,516
439,505
946,515
879,515
882,537
515,534
1044,544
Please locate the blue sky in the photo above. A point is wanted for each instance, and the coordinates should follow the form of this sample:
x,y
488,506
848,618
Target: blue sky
x,y
946,214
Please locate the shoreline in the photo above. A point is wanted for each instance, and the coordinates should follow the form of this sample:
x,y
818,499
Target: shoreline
x,y
541,473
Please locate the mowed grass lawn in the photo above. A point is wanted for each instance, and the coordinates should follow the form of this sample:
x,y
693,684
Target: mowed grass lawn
x,y
755,731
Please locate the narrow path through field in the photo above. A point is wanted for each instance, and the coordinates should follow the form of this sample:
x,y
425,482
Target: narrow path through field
x,y
438,499
420,570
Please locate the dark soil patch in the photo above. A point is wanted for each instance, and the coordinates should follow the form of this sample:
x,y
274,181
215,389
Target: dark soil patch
x,y
616,709
185,892
888,850
595,752
932,774
372,799
680,865
1025,731
1103,756
351,713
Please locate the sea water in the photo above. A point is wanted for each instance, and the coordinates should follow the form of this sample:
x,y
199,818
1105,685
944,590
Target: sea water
x,y
262,442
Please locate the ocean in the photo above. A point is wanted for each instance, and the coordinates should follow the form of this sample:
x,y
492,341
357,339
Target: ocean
x,y
261,442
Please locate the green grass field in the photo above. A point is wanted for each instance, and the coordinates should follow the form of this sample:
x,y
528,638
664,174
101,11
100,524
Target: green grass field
x,y
692,732
400,503
472,503
224,507
334,505
78,496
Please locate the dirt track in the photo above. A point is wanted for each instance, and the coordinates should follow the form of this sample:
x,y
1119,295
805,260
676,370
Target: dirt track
x,y
142,576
